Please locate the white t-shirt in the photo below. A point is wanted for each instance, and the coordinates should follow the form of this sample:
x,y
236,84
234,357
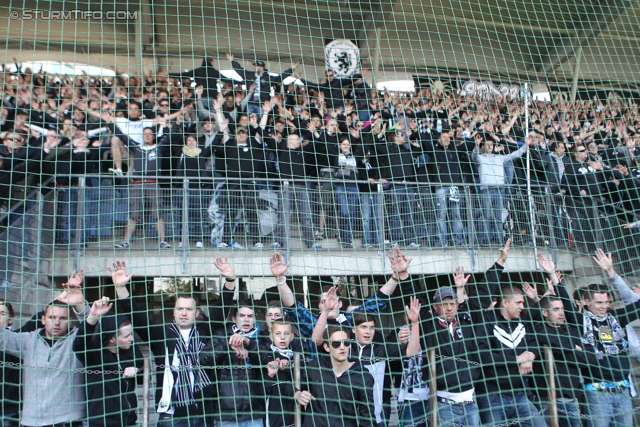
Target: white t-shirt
x,y
135,128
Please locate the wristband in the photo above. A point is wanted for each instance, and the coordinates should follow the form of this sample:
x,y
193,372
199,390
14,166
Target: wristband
x,y
284,280
232,279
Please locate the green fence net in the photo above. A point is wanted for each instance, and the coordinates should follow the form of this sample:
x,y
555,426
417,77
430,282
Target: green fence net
x,y
336,213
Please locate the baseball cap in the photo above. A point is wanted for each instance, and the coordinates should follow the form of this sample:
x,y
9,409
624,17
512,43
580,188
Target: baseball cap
x,y
259,63
443,293
241,129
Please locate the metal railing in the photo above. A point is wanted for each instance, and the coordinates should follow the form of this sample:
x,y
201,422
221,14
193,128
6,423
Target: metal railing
x,y
240,213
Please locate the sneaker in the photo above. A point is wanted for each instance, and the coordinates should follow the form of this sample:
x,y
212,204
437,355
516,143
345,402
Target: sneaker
x,y
413,245
347,245
219,245
123,245
199,245
259,245
314,246
276,245
180,245
236,245
319,235
116,172
367,246
164,245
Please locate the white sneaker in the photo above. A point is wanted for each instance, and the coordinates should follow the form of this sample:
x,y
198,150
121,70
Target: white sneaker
x,y
116,172
219,245
199,245
180,245
413,245
259,245
236,245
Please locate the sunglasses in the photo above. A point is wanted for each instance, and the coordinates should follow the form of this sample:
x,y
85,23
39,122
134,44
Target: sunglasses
x,y
337,344
164,105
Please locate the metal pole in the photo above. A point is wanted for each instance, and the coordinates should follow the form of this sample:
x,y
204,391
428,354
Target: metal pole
x,y
376,60
305,290
285,206
145,392
297,421
79,237
185,224
433,384
576,74
532,217
550,207
471,226
139,49
40,203
551,379
381,236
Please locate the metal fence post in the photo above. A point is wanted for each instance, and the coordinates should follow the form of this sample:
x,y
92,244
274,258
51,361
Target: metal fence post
x,y
471,227
297,422
79,237
550,208
185,225
433,387
551,380
381,234
285,206
145,392
39,223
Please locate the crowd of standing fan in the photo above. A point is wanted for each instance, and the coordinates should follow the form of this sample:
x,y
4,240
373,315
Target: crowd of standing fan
x,y
220,365
199,125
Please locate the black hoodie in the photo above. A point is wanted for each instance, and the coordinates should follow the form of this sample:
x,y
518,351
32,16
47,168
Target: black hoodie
x,y
343,401
206,76
111,398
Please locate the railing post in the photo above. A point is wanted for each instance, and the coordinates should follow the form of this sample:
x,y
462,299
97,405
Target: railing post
x,y
381,234
433,384
551,208
285,206
297,421
145,392
79,237
185,225
39,222
471,227
598,227
551,380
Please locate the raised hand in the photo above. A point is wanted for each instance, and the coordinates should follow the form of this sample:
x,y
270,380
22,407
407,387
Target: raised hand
x,y
98,309
530,290
399,262
75,280
459,278
551,290
119,275
413,310
222,264
331,299
504,252
278,267
547,264
603,260
228,56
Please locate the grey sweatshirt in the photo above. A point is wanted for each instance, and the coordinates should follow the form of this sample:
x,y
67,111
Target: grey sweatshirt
x,y
491,166
53,388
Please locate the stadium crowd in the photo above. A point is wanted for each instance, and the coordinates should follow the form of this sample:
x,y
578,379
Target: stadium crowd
x,y
222,365
261,135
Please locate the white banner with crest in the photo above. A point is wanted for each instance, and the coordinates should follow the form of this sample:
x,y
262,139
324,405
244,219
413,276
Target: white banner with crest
x,y
342,57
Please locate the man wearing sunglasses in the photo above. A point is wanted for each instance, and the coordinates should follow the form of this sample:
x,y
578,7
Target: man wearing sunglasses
x,y
337,391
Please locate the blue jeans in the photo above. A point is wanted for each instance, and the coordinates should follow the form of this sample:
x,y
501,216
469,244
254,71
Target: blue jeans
x,y
411,412
369,205
442,202
347,197
497,409
609,410
492,205
254,108
250,423
564,419
456,414
401,203
68,214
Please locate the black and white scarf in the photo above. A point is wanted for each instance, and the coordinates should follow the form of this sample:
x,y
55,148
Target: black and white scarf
x,y
611,344
183,376
288,353
252,334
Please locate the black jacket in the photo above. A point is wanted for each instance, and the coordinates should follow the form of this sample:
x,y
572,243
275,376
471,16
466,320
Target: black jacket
x,y
240,395
242,161
280,404
396,161
111,398
500,340
332,91
580,176
206,76
10,379
446,164
267,81
345,401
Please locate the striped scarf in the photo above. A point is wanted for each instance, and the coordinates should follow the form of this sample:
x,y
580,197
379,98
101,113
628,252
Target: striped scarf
x,y
183,373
